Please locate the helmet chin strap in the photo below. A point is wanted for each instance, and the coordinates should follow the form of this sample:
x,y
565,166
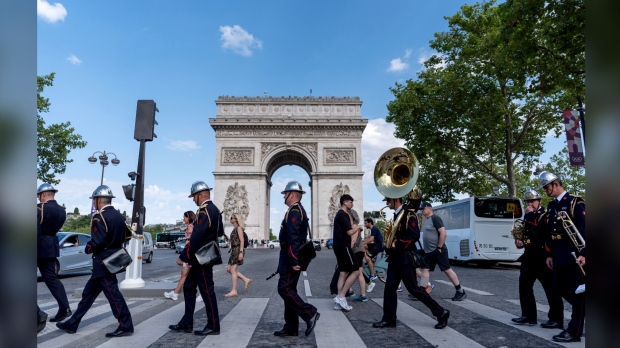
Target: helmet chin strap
x,y
288,194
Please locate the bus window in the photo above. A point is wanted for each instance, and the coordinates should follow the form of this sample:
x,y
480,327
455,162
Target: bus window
x,y
495,207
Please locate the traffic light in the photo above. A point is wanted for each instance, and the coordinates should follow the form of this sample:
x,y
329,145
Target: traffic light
x,y
145,120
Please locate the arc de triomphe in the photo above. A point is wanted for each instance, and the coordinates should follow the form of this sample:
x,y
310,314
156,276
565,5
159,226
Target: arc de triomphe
x,y
257,135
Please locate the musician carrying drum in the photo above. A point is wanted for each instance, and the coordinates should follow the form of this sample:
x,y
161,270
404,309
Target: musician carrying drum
x,y
566,250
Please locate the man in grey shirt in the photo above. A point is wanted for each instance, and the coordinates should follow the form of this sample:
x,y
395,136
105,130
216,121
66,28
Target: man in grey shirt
x,y
434,238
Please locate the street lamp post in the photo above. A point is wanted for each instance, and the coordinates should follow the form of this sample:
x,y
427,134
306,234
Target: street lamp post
x,y
103,160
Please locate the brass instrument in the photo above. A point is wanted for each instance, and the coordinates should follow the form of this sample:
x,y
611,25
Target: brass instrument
x,y
518,229
573,234
396,174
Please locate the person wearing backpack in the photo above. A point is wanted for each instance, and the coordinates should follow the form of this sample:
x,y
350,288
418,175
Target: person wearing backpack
x,y
437,251
238,244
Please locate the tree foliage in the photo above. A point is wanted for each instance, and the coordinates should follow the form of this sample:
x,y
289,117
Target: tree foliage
x,y
81,224
476,115
55,141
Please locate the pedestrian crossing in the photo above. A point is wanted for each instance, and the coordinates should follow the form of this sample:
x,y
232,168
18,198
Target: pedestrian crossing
x,y
245,322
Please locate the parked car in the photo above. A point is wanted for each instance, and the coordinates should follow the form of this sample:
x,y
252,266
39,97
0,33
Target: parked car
x,y
72,257
223,244
317,245
147,247
273,244
329,244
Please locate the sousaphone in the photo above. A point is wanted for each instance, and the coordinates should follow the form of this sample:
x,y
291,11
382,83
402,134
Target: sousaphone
x,y
396,174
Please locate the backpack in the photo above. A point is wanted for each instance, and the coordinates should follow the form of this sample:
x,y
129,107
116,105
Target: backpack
x,y
245,240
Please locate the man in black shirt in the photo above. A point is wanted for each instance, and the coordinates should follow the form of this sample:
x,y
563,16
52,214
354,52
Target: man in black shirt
x,y
344,232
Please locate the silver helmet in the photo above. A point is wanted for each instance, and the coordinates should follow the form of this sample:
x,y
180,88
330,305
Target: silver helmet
x,y
198,186
293,186
45,187
545,178
531,194
102,191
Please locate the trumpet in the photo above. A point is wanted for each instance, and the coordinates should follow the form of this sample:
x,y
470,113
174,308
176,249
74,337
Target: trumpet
x,y
573,234
396,174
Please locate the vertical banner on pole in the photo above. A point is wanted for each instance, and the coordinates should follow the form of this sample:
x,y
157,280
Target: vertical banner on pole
x,y
573,137
93,209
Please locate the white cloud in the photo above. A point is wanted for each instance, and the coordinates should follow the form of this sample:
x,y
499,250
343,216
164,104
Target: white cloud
x,y
239,40
424,56
397,65
74,60
183,145
51,13
408,52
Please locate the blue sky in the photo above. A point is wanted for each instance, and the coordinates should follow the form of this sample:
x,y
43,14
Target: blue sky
x,y
183,55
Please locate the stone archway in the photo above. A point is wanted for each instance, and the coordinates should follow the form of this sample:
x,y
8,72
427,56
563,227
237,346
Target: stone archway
x,y
256,136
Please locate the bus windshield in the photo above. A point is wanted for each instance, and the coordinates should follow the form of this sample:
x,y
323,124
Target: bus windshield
x,y
496,207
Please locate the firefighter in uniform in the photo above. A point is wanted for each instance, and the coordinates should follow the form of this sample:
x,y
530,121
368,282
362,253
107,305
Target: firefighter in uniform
x,y
400,265
108,234
50,218
293,233
533,266
567,267
206,228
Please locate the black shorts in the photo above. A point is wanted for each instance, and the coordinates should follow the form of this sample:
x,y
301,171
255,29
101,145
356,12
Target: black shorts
x,y
346,259
436,257
374,252
359,256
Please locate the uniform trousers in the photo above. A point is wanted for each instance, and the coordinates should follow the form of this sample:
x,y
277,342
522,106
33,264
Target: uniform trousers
x,y
406,274
530,271
294,306
109,286
567,278
47,268
200,277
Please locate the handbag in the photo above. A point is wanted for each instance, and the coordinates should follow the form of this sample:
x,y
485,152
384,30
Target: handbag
x,y
418,257
305,254
117,262
208,253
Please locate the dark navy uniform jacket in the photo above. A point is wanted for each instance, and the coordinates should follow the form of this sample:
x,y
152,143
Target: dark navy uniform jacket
x,y
207,227
559,244
107,231
407,235
534,237
293,233
50,218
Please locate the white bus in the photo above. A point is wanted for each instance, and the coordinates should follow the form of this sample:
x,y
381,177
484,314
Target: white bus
x,y
479,229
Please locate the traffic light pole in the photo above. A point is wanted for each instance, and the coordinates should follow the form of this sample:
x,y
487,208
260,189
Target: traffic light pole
x,y
133,275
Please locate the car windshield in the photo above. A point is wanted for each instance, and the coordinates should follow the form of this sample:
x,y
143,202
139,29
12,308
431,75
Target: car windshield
x,y
61,235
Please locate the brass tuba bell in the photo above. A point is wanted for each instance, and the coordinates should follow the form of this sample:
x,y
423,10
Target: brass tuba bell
x,y
396,174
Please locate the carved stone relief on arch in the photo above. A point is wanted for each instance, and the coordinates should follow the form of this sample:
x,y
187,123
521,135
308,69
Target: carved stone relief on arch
x,y
236,202
238,156
334,200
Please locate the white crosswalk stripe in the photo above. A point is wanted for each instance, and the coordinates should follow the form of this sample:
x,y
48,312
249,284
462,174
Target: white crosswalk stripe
x,y
334,329
504,317
237,326
87,330
541,307
144,335
425,327
475,291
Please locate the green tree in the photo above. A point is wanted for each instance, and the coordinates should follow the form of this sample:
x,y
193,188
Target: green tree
x,y
475,116
76,211
81,224
54,142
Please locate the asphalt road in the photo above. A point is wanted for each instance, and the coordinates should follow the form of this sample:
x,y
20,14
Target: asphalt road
x,y
494,288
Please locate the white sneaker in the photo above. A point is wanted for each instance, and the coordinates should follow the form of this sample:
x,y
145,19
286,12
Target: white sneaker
x,y
342,302
199,298
337,307
171,295
370,286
